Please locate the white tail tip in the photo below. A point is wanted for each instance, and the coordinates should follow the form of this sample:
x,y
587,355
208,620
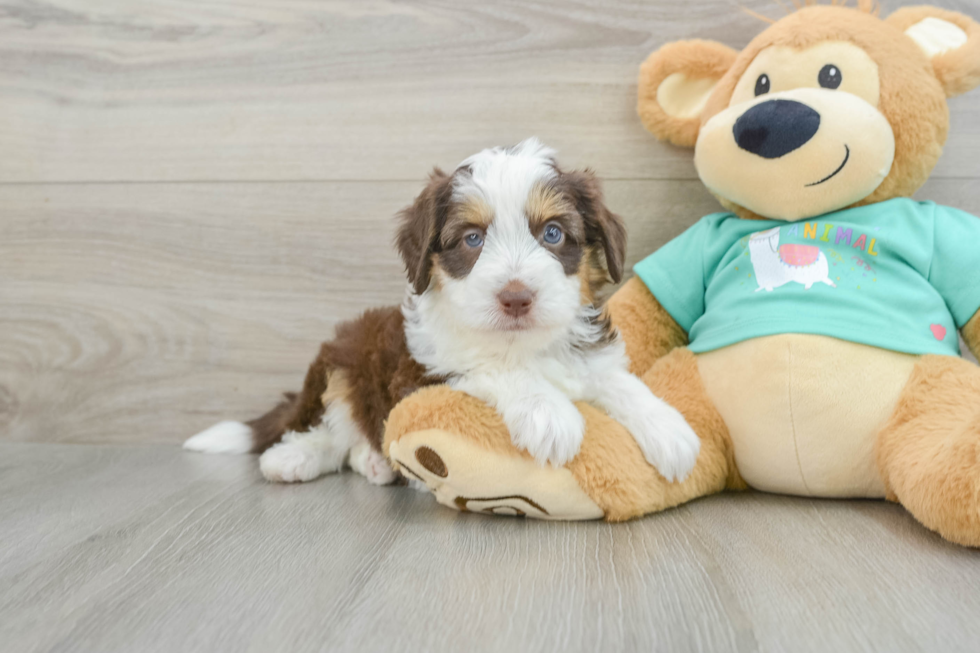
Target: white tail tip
x,y
223,437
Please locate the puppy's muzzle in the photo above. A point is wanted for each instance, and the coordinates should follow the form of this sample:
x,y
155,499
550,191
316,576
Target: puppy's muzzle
x,y
515,299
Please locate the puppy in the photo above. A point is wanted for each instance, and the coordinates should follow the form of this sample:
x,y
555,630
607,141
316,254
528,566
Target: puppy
x,y
504,259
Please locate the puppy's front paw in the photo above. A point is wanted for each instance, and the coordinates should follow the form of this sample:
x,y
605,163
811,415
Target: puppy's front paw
x,y
550,430
666,440
290,462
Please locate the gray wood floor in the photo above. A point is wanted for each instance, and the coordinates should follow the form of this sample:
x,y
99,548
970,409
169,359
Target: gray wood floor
x,y
146,548
193,193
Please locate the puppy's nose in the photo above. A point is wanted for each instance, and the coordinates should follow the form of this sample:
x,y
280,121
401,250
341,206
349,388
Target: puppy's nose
x,y
516,299
775,128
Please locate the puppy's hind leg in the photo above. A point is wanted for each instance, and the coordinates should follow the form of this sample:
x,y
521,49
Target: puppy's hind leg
x,y
303,457
322,449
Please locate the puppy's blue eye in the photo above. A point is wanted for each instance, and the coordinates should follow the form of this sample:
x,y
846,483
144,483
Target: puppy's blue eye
x,y
474,239
552,234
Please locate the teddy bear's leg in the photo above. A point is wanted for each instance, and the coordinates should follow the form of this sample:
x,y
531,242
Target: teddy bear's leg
x,y
461,450
647,329
611,469
929,452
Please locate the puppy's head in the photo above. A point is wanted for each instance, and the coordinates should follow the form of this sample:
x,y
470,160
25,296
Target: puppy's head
x,y
510,242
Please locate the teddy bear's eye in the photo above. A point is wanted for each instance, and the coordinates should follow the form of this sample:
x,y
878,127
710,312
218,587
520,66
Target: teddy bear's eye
x,y
762,85
830,76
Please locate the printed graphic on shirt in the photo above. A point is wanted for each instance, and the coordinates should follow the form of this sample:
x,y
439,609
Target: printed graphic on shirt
x,y
850,256
777,265
848,261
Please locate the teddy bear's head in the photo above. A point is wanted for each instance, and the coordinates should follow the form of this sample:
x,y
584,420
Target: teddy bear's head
x,y
829,107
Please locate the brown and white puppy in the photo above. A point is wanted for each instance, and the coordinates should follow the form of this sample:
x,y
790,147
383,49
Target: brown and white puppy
x,y
504,257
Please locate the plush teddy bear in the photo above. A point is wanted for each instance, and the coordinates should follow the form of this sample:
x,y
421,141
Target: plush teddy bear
x,y
809,334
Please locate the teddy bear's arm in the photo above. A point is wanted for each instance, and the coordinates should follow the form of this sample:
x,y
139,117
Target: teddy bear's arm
x,y
971,334
648,330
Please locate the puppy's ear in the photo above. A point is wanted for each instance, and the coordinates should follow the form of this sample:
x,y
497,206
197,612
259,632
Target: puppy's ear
x,y
418,233
602,226
951,42
675,84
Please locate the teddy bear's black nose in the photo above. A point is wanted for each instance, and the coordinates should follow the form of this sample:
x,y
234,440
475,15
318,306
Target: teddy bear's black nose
x,y
777,127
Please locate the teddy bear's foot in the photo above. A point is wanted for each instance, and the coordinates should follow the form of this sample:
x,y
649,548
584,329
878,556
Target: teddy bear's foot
x,y
464,476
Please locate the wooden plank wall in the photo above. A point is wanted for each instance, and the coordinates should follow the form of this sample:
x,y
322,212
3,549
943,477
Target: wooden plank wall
x,y
193,193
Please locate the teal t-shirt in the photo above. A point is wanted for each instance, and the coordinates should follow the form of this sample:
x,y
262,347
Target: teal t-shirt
x,y
900,275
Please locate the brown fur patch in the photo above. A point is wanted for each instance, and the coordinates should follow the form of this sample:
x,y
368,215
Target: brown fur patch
x,y
380,370
592,276
544,203
551,203
456,261
270,427
455,256
418,235
569,251
371,365
607,332
298,411
603,228
473,211
929,452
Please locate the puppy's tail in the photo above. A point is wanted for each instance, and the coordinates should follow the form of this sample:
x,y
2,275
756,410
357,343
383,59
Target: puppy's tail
x,y
247,437
296,412
223,437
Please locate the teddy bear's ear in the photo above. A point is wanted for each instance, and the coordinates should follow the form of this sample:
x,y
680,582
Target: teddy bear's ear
x,y
675,84
951,41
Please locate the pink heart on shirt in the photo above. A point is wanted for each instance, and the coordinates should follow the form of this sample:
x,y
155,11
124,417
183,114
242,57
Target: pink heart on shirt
x,y
938,330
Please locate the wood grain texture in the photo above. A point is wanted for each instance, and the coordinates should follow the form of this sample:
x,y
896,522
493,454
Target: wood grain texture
x,y
143,90
151,549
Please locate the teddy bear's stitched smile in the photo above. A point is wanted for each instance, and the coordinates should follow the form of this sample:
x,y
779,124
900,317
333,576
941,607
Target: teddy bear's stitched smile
x,y
847,156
